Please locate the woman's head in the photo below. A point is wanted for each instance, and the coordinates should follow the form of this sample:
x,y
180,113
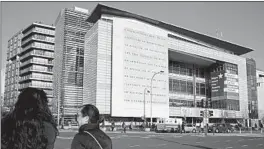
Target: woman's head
x,y
31,102
24,126
88,114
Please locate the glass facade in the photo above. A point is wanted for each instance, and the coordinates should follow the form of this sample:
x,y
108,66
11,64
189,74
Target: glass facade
x,y
252,89
71,26
181,82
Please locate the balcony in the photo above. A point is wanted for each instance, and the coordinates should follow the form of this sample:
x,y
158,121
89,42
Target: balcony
x,y
38,46
35,38
39,54
36,62
30,77
40,30
36,70
22,86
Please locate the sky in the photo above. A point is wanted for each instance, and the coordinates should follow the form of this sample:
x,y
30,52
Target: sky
x,y
241,23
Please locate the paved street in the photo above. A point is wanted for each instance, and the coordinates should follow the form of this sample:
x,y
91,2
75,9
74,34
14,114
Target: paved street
x,y
173,141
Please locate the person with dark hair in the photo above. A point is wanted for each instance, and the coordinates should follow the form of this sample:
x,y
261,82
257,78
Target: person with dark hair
x,y
124,127
30,125
113,125
90,136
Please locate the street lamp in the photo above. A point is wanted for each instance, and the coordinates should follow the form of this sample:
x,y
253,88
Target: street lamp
x,y
145,104
151,94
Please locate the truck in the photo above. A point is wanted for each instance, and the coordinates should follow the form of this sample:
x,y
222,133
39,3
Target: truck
x,y
169,125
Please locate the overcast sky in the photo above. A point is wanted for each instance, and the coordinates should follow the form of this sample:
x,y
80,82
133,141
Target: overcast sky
x,y
240,22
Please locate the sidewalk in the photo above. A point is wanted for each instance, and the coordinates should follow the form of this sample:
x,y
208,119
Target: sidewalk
x,y
76,130
234,134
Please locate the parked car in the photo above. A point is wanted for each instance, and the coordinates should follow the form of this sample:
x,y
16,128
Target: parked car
x,y
189,128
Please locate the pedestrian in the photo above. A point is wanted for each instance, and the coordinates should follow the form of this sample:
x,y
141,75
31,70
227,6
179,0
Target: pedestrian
x,y
113,125
124,127
30,125
130,126
199,128
90,136
183,127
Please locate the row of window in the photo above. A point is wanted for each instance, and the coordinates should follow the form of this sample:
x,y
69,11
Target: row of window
x,y
39,45
185,87
39,68
12,66
181,103
39,37
14,39
39,84
44,31
11,80
78,50
223,104
41,52
38,75
184,69
12,73
75,78
13,52
11,87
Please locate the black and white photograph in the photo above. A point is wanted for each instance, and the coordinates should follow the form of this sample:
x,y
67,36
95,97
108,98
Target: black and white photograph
x,y
132,74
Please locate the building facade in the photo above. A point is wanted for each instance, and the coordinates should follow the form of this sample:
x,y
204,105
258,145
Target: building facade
x,y
123,51
31,61
71,27
260,88
12,70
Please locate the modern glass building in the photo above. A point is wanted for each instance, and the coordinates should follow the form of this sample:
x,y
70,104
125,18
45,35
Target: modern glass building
x,y
260,89
71,27
30,61
123,51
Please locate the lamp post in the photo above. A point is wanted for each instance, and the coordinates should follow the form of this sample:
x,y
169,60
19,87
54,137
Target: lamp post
x,y
145,104
151,94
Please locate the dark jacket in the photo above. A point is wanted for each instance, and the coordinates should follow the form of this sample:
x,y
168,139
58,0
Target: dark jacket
x,y
50,133
83,140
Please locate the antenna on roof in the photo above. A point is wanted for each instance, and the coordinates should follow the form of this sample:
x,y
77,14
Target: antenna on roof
x,y
219,34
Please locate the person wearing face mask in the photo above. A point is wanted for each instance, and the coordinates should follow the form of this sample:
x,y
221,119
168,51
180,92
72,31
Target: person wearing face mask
x,y
90,136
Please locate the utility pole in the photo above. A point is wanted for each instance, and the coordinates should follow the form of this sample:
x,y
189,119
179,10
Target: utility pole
x,y
151,95
145,104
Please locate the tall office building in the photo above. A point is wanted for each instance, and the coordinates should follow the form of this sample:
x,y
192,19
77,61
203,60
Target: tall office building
x,y
30,61
260,88
71,27
12,70
126,53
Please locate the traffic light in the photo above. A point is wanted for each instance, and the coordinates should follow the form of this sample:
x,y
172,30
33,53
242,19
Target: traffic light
x,y
202,103
201,113
209,103
211,113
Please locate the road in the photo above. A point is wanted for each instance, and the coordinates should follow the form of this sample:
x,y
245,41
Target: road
x,y
173,141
